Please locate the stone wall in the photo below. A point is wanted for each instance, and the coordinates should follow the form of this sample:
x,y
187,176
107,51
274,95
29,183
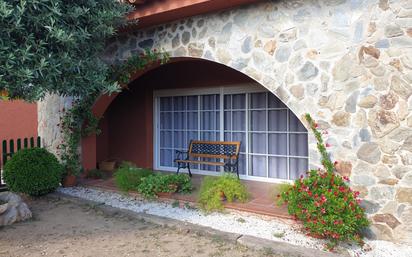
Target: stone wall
x,y
348,63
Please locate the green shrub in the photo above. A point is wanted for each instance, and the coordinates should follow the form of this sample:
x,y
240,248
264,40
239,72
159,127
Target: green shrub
x,y
128,177
159,183
324,202
213,189
33,171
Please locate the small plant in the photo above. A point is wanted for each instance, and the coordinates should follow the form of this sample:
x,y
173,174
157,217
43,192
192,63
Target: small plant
x,y
128,177
33,171
241,220
279,234
324,202
175,204
214,189
159,183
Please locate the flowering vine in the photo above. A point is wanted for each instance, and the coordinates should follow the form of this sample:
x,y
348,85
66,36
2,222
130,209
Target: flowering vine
x,y
324,202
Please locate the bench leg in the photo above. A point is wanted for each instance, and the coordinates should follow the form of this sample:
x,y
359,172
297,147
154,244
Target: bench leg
x,y
188,168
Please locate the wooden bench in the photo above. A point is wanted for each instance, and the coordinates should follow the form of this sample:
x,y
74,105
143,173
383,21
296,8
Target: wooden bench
x,y
198,150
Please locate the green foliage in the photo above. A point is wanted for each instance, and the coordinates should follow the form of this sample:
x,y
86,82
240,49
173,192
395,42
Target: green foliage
x,y
128,177
213,189
159,183
33,171
325,160
79,121
324,202
55,46
123,72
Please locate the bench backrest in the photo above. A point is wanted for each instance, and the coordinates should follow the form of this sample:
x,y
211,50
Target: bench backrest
x,y
214,149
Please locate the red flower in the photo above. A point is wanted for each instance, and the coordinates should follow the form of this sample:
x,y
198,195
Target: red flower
x,y
346,178
323,210
335,163
327,145
315,125
342,189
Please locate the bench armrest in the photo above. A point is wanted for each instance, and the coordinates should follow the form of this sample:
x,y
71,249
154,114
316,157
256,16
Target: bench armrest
x,y
182,155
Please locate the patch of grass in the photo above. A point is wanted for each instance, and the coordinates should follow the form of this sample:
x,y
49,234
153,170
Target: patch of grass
x,y
268,251
175,204
279,234
241,220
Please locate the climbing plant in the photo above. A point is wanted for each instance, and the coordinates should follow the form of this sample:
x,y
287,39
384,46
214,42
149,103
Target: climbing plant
x,y
79,120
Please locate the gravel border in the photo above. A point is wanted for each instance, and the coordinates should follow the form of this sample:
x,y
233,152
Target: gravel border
x,y
245,227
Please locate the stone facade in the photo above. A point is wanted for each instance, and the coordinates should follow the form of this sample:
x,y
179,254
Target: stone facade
x,y
348,63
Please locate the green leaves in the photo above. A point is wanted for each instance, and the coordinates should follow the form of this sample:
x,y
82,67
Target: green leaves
x,y
54,46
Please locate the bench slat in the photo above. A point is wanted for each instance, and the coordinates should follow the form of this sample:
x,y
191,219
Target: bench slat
x,y
202,162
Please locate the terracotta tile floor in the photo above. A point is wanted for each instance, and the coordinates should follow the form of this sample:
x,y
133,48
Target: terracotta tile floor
x,y
263,196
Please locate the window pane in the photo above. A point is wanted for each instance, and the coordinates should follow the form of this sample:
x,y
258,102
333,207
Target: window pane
x,y
239,120
278,120
165,103
242,164
258,143
298,144
295,124
258,165
191,135
166,139
228,120
192,103
239,136
278,144
207,136
228,102
258,120
208,102
217,121
278,167
179,120
179,103
239,101
207,121
257,100
274,102
166,157
297,167
179,140
192,120
228,136
165,120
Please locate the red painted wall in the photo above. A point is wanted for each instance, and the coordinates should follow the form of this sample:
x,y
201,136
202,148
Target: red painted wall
x,y
127,125
17,119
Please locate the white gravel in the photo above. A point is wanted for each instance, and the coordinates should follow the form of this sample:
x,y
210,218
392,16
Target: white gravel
x,y
234,222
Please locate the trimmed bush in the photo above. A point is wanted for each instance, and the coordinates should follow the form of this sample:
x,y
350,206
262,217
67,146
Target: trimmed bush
x,y
214,189
128,177
33,171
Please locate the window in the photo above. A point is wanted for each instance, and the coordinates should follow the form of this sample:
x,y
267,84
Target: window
x,y
274,141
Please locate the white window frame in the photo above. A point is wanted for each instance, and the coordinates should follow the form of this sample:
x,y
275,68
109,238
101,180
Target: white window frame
x,y
222,91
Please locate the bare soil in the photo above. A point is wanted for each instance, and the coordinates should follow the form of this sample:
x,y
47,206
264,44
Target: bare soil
x,y
62,228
